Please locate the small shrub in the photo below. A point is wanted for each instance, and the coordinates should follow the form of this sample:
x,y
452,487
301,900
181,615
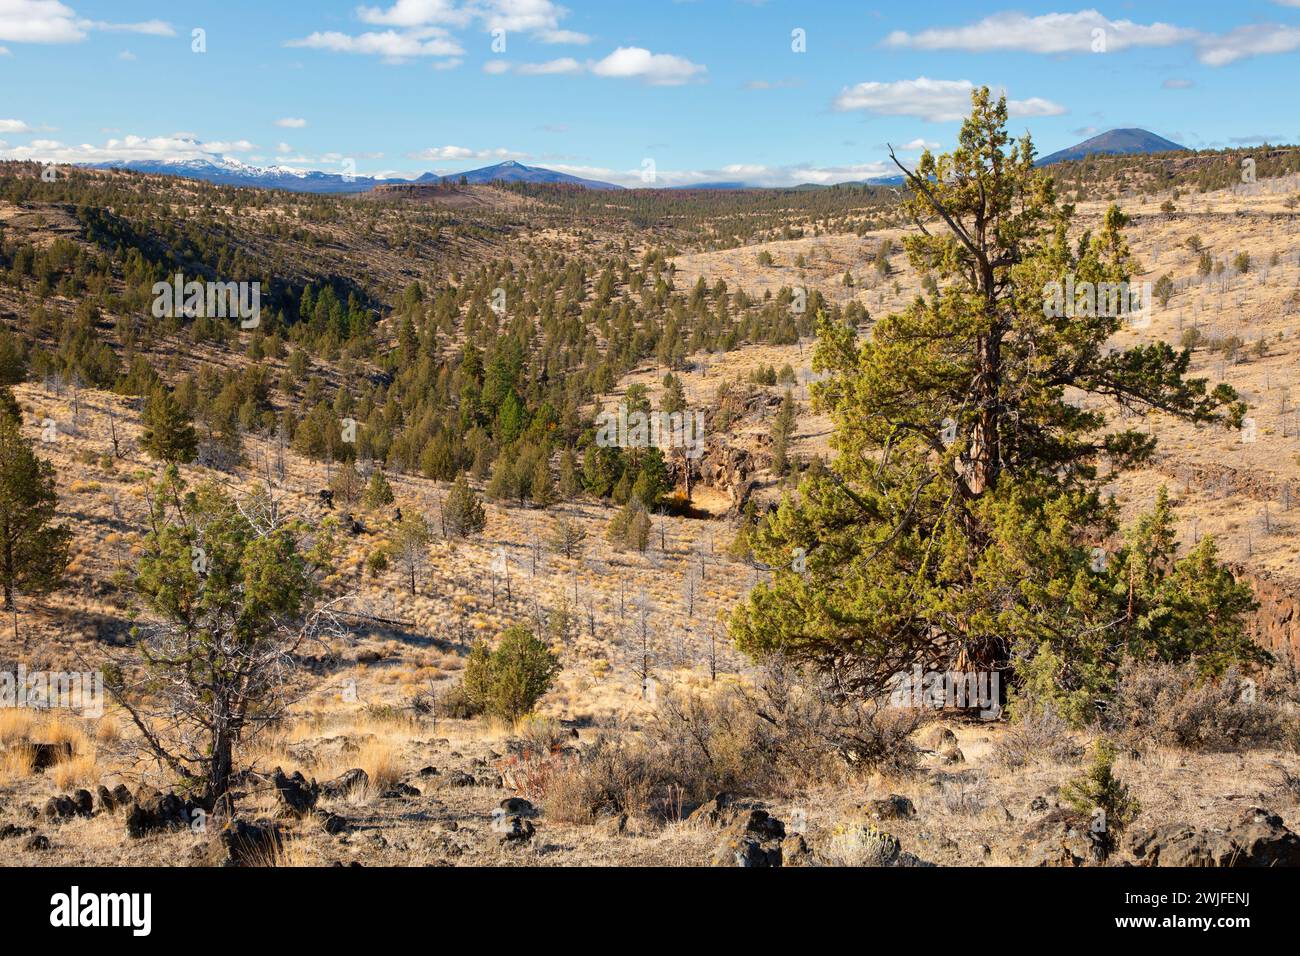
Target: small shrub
x,y
1037,734
860,845
1099,791
454,702
609,778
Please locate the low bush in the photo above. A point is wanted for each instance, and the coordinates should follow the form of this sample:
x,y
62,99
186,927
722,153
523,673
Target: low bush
x,y
1172,705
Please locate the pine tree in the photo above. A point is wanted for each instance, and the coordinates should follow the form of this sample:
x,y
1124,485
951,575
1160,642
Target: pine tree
x,y
169,434
630,527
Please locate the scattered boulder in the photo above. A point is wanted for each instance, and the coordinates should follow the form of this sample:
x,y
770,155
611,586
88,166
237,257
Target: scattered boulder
x,y
402,791
45,756
110,800
37,843
152,811
892,807
722,810
429,772
755,841
1065,838
518,807
796,852
241,843
517,831
11,831
345,783
334,824
59,808
939,738
951,755
295,795
460,778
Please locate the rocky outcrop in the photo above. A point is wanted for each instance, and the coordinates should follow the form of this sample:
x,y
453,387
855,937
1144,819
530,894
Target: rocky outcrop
x,y
1276,625
1258,838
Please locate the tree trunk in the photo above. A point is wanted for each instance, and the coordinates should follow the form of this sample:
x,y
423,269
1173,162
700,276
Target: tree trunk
x,y
221,762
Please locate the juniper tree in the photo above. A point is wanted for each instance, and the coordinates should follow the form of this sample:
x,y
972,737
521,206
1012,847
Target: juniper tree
x,y
567,537
958,519
463,513
379,493
169,434
409,545
230,596
33,549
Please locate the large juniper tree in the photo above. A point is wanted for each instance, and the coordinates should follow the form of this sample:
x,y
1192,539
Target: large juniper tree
x,y
960,522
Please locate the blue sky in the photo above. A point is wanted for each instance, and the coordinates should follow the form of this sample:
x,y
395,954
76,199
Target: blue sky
x,y
616,90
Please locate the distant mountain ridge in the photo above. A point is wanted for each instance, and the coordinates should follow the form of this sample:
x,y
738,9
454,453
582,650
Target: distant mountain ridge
x,y
1116,142
232,172
513,172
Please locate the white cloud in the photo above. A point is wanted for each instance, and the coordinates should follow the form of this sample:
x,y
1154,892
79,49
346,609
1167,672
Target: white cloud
x,y
1049,33
291,122
657,69
437,154
126,55
153,28
128,148
1257,39
918,144
563,66
1085,31
938,101
14,126
753,174
415,13
392,46
539,18
39,21
563,37
49,21
496,67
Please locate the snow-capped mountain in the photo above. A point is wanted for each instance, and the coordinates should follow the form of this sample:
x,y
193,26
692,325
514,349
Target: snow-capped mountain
x,y
232,172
